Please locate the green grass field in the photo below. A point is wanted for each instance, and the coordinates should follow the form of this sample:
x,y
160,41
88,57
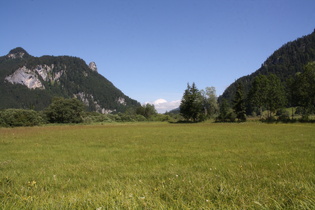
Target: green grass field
x,y
158,166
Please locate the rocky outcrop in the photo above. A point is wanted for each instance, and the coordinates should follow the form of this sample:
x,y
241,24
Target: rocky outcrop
x,y
16,55
30,77
47,73
122,101
84,97
88,99
25,77
93,66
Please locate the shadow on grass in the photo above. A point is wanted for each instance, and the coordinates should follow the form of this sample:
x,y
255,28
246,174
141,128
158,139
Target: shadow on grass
x,y
291,121
184,122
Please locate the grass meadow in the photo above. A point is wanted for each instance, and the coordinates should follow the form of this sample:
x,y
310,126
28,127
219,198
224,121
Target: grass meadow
x,y
158,166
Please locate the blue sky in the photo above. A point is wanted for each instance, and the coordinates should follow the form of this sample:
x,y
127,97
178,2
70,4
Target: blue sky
x,y
151,49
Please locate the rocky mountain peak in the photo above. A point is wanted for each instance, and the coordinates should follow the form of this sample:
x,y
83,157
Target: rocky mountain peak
x,y
93,66
18,52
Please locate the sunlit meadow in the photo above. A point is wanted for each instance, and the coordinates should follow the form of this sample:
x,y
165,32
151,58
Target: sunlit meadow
x,y
158,166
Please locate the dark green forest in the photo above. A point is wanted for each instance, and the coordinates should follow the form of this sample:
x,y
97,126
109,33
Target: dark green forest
x,y
285,62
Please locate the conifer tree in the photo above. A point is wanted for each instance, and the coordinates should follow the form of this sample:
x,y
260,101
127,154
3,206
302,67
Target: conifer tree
x,y
267,92
275,97
239,103
257,94
191,107
224,111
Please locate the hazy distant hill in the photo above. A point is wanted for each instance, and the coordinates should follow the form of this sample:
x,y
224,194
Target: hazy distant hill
x,y
31,82
284,62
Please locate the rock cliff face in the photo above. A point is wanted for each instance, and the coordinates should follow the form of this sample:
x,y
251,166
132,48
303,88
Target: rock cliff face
x,y
25,77
16,55
31,82
93,66
88,100
47,74
31,77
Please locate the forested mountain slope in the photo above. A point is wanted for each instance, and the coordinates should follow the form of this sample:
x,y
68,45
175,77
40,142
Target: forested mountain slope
x,y
31,82
284,62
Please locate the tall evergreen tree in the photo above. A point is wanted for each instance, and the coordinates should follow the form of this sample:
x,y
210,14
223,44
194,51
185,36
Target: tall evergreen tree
x,y
275,94
239,103
224,111
191,107
258,93
267,92
291,94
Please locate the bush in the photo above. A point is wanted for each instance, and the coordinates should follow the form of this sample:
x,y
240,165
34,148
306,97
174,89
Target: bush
x,y
140,118
20,117
162,118
304,118
228,117
269,119
299,110
283,115
232,116
94,117
126,117
2,122
65,111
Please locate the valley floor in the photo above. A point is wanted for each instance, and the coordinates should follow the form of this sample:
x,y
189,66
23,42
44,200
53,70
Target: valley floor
x,y
158,166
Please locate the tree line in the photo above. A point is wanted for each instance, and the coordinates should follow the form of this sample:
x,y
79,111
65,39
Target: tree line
x,y
267,93
73,111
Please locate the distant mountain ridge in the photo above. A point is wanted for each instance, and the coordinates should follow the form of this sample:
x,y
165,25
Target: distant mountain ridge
x,y
31,82
284,62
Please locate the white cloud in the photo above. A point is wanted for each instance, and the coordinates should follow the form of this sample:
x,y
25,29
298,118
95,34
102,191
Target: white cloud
x,y
162,105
